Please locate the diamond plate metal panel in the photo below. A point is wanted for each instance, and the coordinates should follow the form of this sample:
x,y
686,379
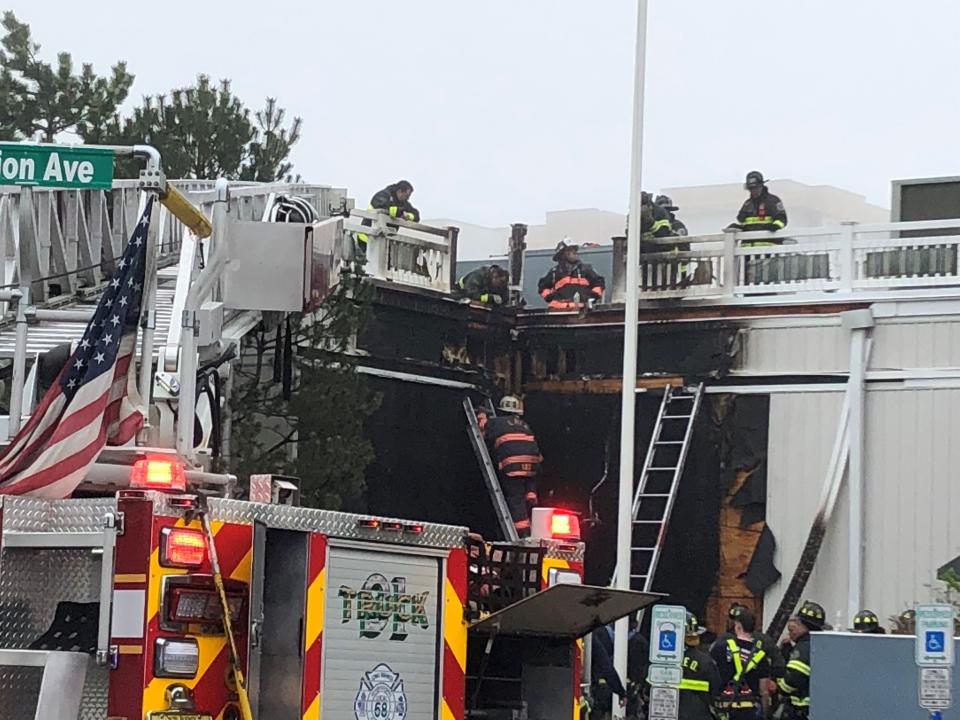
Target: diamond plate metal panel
x,y
33,581
20,690
564,550
36,515
93,706
335,524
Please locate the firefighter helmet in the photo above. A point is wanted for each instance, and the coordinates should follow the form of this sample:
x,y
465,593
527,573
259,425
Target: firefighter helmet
x,y
754,179
812,615
287,208
693,626
735,610
866,621
511,404
562,247
666,202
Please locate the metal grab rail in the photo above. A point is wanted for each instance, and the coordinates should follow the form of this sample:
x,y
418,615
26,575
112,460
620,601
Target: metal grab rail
x,y
61,689
850,259
406,252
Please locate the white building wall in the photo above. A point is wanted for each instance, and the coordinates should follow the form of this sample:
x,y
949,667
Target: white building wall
x,y
911,495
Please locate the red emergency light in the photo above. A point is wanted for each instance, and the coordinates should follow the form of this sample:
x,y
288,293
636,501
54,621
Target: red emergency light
x,y
158,473
182,548
554,524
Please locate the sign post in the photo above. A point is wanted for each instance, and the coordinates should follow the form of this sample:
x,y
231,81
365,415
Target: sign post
x,y
667,633
935,657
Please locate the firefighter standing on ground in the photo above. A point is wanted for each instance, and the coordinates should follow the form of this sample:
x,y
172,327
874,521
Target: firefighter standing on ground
x,y
764,642
485,284
517,457
795,683
571,283
744,670
701,676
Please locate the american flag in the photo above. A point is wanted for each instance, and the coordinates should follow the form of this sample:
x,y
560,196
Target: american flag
x,y
94,400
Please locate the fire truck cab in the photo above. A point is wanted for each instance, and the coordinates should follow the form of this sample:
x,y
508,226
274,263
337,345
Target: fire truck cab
x,y
108,610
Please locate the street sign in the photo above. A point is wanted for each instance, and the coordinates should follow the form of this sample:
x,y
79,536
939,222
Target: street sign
x,y
62,166
936,688
665,675
934,643
667,634
664,704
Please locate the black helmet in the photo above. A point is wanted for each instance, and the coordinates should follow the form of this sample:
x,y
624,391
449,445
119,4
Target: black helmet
x,y
666,202
754,179
693,626
866,621
735,610
562,247
646,198
287,208
812,615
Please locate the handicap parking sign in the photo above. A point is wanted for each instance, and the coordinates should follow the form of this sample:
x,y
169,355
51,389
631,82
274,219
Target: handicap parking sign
x,y
668,637
935,641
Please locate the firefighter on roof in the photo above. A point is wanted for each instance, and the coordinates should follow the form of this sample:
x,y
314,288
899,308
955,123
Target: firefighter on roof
x,y
517,457
795,683
761,211
485,284
571,283
665,202
395,201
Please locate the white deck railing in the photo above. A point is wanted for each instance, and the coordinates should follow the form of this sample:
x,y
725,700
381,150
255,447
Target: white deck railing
x,y
404,252
810,264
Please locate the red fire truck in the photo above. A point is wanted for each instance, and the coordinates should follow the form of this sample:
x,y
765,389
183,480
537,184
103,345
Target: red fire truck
x,y
108,609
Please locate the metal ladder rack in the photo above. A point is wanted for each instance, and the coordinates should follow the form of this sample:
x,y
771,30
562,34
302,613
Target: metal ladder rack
x,y
657,490
489,472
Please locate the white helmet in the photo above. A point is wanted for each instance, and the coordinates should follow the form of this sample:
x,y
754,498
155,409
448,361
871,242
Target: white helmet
x,y
287,208
511,404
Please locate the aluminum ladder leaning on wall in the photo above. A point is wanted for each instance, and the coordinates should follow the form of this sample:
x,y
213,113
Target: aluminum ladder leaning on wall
x,y
656,491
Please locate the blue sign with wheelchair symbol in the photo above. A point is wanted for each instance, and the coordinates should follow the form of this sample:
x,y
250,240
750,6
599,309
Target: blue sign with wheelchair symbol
x,y
935,641
668,639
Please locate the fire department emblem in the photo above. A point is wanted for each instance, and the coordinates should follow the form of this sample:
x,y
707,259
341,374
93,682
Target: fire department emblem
x,y
381,696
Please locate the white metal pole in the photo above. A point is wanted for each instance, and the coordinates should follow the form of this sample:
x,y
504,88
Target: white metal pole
x,y
630,320
859,322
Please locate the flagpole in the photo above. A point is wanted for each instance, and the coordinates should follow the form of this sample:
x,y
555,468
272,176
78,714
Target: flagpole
x,y
631,316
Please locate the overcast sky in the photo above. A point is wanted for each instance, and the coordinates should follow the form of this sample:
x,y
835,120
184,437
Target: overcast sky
x,y
500,110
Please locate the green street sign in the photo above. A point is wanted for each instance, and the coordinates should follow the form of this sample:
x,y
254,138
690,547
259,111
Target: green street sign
x,y
61,166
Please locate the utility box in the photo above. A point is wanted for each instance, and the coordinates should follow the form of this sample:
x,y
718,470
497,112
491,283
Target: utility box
x,y
284,267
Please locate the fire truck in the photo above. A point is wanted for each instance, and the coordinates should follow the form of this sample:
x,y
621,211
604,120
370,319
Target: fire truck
x,y
109,610
161,595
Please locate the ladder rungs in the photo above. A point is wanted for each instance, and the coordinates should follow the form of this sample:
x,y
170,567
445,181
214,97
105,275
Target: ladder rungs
x,y
648,522
676,417
682,397
669,442
661,469
637,577
654,495
642,549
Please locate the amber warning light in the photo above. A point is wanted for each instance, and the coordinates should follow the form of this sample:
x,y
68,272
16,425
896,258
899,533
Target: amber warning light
x,y
153,473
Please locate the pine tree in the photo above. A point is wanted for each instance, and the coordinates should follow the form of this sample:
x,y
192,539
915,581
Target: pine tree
x,y
315,431
40,101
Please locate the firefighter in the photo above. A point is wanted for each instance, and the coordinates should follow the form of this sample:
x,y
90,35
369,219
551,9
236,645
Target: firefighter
x,y
866,622
906,623
766,643
761,211
485,284
795,683
395,200
701,676
571,284
605,681
676,224
744,670
654,223
517,457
